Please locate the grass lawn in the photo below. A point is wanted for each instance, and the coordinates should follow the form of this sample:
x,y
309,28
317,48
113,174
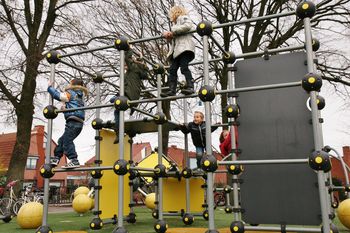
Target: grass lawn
x,y
72,221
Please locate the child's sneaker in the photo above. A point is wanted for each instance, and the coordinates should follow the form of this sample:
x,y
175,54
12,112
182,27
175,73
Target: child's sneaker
x,y
54,161
72,164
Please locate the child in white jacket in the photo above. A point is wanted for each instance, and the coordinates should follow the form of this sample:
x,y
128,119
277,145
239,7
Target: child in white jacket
x,y
181,51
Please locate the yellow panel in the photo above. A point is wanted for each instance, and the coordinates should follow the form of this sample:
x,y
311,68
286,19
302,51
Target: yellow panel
x,y
150,162
109,181
174,194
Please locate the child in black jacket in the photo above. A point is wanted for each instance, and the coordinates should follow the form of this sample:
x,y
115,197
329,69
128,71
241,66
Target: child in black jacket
x,y
197,130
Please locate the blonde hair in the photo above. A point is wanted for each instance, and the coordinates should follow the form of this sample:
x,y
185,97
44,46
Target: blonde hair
x,y
175,12
200,113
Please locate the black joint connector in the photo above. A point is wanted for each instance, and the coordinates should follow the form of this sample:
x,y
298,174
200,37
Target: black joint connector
x,y
232,68
130,183
320,120
98,161
327,183
236,151
266,54
233,94
237,181
205,205
236,210
97,212
98,138
283,228
204,186
156,202
236,123
97,187
132,205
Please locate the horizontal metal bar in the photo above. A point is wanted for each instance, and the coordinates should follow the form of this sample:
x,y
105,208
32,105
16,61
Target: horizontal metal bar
x,y
87,51
278,229
163,99
270,51
262,87
83,169
77,68
146,169
154,89
145,113
86,108
254,19
267,161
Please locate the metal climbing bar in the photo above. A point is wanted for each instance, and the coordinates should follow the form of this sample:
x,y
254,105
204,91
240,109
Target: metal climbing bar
x,y
77,68
262,162
83,169
87,51
218,45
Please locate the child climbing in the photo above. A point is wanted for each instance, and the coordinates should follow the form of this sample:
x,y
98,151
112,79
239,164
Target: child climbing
x,y
181,50
73,97
197,130
225,141
136,71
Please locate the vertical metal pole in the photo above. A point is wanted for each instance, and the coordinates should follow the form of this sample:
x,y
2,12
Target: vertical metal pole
x,y
160,149
121,143
207,107
232,100
48,153
187,160
131,185
97,148
316,128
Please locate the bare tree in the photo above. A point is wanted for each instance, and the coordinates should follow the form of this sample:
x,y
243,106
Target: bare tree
x,y
27,29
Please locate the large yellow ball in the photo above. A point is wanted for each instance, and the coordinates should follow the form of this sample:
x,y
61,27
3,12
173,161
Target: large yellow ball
x,y
150,199
344,212
30,215
81,190
81,203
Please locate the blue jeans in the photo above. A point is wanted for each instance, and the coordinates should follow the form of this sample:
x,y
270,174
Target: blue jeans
x,y
199,155
65,142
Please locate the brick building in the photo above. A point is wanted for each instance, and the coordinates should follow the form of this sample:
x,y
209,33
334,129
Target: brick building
x,y
337,169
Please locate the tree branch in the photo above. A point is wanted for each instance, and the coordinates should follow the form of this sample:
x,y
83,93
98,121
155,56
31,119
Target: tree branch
x,y
7,93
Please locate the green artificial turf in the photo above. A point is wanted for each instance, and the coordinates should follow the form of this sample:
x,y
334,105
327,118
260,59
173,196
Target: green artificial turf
x,y
72,221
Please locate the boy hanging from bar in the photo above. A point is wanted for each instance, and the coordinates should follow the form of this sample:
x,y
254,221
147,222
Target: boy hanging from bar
x,y
136,71
73,97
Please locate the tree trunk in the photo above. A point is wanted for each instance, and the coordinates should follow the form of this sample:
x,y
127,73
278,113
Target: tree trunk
x,y
24,114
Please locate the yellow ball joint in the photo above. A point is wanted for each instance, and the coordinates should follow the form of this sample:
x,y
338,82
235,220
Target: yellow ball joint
x,y
44,229
306,9
206,93
319,161
160,226
160,170
158,69
204,28
237,227
97,123
96,224
47,171
122,43
232,111
235,169
186,173
121,103
209,163
121,167
160,118
312,82
53,57
188,219
50,112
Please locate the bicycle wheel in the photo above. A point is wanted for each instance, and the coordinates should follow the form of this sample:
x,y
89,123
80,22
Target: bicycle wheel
x,y
17,205
5,206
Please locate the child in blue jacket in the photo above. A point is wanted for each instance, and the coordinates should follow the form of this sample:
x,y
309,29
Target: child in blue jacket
x,y
73,98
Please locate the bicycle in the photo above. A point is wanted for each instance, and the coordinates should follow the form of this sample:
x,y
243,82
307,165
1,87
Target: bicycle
x,y
6,203
27,196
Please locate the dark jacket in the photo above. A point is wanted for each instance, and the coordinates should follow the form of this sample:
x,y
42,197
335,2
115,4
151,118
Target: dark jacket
x,y
73,98
197,133
136,72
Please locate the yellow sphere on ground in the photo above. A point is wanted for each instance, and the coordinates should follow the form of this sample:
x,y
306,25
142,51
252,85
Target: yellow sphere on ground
x,y
30,215
81,190
149,201
81,203
344,212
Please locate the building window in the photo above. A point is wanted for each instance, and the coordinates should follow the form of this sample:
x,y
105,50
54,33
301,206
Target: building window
x,y
31,163
143,153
